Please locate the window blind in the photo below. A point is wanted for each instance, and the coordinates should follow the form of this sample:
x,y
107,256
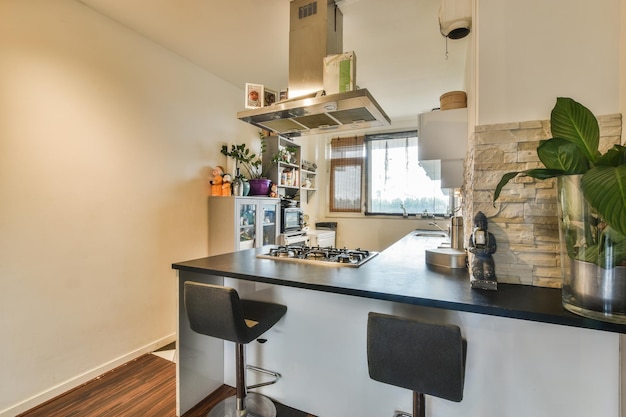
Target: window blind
x,y
347,157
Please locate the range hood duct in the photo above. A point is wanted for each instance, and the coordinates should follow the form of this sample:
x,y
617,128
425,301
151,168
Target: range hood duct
x,y
316,30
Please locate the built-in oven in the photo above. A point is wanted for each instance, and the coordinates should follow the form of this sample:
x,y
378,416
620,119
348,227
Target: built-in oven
x,y
292,219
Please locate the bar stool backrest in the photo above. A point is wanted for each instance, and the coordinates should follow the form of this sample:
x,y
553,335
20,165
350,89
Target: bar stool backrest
x,y
216,311
417,355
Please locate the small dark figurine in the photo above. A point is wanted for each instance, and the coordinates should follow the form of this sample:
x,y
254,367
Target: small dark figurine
x,y
482,245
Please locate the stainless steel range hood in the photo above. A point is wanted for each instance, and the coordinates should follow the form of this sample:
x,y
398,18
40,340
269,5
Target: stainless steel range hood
x,y
316,30
345,111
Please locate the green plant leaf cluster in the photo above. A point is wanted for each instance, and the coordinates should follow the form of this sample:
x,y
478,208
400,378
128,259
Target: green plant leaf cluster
x,y
605,189
573,150
244,157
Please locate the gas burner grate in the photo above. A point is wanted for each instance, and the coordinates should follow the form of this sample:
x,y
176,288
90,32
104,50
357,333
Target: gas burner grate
x,y
318,255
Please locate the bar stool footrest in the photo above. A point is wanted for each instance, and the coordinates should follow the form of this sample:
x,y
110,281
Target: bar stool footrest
x,y
273,374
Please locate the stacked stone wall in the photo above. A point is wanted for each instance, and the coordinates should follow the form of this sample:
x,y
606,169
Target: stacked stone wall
x,y
524,219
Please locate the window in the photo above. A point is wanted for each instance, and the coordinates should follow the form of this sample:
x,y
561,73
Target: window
x,y
346,174
395,181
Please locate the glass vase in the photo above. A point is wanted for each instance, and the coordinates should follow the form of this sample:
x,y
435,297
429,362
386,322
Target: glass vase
x,y
592,257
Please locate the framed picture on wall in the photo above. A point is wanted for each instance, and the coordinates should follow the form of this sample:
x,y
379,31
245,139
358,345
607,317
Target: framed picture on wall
x,y
254,96
269,97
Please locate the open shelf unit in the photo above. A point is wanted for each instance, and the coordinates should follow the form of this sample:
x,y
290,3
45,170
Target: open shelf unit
x,y
287,173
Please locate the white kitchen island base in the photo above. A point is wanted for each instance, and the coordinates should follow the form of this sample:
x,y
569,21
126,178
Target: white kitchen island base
x,y
515,368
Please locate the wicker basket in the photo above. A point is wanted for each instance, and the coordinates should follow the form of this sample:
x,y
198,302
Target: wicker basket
x,y
453,100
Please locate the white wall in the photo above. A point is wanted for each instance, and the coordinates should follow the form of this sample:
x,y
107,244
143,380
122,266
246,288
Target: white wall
x,y
530,52
105,145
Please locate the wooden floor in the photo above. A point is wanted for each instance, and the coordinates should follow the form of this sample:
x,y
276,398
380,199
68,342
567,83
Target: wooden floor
x,y
144,387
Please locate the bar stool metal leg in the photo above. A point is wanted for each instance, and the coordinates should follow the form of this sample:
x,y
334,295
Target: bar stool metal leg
x,y
419,404
240,363
243,404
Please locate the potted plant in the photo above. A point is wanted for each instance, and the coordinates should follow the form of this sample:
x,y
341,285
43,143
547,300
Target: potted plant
x,y
252,164
285,155
592,211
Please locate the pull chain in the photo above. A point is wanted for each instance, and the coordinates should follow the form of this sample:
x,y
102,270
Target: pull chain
x,y
446,48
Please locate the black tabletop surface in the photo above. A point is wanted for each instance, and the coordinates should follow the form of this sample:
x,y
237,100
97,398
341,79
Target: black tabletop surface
x,y
400,274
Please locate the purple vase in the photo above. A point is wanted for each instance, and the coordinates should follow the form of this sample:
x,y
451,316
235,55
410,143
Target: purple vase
x,y
259,186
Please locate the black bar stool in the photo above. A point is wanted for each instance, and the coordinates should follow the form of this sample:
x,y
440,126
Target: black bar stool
x,y
424,357
218,311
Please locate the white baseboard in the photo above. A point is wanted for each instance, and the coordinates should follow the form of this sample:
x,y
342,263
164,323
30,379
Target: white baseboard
x,y
78,380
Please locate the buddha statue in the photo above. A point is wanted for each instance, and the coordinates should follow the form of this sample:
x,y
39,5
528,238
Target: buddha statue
x,y
482,245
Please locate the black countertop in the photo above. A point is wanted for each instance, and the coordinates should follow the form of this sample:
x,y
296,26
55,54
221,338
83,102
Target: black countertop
x,y
400,274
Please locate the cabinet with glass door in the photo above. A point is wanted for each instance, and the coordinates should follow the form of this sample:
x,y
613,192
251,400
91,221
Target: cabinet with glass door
x,y
239,223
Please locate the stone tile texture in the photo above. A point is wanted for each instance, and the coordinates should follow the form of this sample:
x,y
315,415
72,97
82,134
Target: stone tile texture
x,y
524,219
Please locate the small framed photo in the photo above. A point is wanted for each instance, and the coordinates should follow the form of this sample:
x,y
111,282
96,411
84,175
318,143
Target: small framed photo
x,y
254,96
270,97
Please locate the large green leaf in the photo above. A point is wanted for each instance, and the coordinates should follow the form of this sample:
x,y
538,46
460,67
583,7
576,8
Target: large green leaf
x,y
613,157
503,181
574,122
561,154
605,189
538,173
543,173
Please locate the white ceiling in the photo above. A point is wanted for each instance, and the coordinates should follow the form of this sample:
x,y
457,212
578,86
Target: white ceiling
x,y
401,56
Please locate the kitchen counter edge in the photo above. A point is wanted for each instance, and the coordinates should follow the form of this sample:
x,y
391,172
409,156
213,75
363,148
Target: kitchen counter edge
x,y
399,274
